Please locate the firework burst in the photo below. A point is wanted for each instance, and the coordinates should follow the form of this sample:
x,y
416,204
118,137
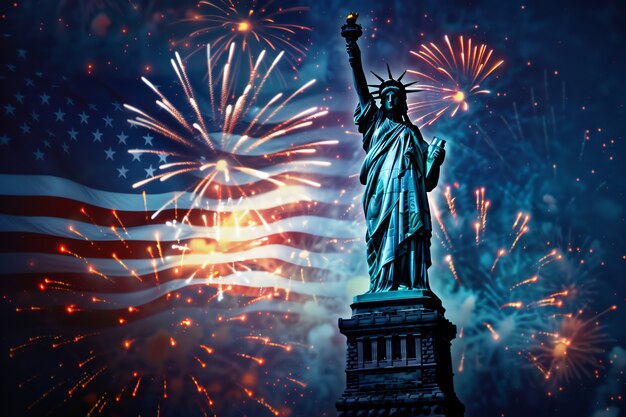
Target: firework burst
x,y
253,25
452,76
244,138
572,350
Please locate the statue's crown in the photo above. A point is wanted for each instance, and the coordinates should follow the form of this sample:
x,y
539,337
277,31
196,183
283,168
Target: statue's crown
x,y
391,83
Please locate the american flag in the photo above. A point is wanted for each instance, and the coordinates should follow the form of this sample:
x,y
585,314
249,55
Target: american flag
x,y
98,276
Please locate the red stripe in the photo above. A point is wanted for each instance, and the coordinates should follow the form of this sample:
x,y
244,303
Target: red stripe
x,y
137,249
73,210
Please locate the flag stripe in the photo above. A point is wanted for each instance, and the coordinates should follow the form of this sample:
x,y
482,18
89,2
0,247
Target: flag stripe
x,y
85,281
251,279
44,185
73,210
339,229
138,249
44,263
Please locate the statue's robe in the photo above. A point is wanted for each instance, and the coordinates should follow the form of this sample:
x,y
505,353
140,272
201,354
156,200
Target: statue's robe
x,y
395,201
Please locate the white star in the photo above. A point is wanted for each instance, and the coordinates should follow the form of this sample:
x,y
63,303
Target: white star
x,y
148,139
108,121
122,138
97,136
92,107
11,67
60,115
149,171
46,144
117,106
19,97
25,128
84,117
69,101
66,148
35,116
38,155
29,82
122,172
72,134
45,98
110,152
9,109
22,53
4,139
136,156
162,158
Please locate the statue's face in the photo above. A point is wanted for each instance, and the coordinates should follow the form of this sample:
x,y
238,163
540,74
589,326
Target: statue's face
x,y
392,99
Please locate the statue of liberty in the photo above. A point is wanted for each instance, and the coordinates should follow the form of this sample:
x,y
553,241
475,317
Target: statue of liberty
x,y
398,170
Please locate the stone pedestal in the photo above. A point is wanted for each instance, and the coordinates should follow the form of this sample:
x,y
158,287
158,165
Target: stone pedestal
x,y
398,357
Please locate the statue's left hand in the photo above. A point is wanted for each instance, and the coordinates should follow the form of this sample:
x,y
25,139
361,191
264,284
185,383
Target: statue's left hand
x,y
439,154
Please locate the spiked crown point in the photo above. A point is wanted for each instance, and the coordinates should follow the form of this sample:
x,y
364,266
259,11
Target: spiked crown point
x,y
391,83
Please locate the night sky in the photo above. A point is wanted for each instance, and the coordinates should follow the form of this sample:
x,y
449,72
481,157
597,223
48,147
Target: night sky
x,y
546,141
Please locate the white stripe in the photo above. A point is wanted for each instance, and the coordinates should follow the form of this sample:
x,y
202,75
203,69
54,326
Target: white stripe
x,y
16,263
50,186
340,229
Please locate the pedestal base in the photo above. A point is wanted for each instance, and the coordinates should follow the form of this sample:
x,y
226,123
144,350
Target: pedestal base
x,y
398,357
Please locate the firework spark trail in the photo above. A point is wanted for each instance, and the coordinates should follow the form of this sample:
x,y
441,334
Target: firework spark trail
x,y
119,221
501,253
535,362
517,219
531,280
477,232
548,259
494,334
437,216
121,239
154,266
76,232
130,271
461,363
452,268
450,202
544,258
513,304
522,230
453,77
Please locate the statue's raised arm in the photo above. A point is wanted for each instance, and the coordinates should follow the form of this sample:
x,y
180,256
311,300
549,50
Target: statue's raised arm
x,y
351,31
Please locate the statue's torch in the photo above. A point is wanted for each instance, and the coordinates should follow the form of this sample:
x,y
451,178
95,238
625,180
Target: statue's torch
x,y
351,31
